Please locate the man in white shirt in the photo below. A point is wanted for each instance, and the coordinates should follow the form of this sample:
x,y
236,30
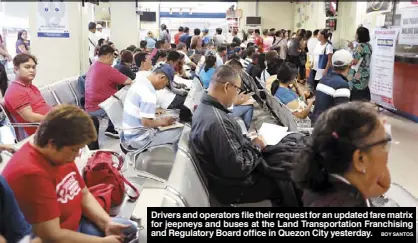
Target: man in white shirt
x,y
220,55
311,46
218,38
100,34
182,49
93,40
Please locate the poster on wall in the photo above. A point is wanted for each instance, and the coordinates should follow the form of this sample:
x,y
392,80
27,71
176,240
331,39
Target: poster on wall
x,y
52,19
409,27
378,6
382,66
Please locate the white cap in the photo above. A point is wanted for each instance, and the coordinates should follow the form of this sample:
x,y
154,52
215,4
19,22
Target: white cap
x,y
341,58
99,26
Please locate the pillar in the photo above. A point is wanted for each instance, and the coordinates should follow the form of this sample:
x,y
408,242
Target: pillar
x,y
124,24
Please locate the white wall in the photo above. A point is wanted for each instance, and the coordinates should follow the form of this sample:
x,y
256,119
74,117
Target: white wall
x,y
125,24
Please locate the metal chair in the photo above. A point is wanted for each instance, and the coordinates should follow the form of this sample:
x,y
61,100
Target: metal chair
x,y
73,83
63,93
49,95
17,127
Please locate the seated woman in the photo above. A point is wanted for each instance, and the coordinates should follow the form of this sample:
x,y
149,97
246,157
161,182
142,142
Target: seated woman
x,y
346,162
286,75
272,67
126,60
209,69
61,209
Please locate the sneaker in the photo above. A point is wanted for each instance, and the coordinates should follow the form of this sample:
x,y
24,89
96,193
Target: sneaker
x,y
112,134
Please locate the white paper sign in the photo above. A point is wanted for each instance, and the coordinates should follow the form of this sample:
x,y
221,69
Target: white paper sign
x,y
409,27
382,66
52,19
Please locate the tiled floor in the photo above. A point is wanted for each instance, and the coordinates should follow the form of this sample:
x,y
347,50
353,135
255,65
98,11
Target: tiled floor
x,y
403,158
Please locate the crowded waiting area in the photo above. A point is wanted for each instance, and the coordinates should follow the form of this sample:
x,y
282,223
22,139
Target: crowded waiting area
x,y
109,108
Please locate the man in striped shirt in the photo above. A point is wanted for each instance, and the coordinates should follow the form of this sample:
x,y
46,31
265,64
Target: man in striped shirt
x,y
333,89
139,113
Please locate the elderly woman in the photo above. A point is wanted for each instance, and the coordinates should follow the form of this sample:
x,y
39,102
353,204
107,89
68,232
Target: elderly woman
x,y
346,162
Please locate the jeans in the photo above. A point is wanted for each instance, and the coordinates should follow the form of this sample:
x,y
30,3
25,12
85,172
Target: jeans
x,y
100,113
245,112
89,228
13,225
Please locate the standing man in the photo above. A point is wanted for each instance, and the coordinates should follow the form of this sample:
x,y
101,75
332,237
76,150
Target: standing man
x,y
93,40
165,34
177,36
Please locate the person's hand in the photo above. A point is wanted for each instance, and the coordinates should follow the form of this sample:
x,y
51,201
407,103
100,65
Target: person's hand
x,y
350,45
9,58
167,121
311,101
160,111
324,73
113,239
115,229
259,141
2,239
7,148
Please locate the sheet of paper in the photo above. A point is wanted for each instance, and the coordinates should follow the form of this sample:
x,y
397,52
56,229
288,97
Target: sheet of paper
x,y
175,125
355,67
272,133
194,96
180,80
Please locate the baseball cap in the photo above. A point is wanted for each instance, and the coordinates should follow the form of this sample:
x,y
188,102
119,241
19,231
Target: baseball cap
x,y
99,26
341,58
167,70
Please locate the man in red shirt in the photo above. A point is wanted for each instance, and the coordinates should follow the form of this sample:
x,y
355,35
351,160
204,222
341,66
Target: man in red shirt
x,y
177,36
58,201
23,99
102,81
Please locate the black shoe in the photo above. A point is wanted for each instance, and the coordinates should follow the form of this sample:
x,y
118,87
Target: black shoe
x,y
112,133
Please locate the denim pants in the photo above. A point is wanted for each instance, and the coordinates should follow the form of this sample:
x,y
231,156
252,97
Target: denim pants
x,y
89,228
245,112
100,113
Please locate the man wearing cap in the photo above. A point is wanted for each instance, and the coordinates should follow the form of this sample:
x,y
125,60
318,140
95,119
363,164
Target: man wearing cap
x,y
333,89
139,120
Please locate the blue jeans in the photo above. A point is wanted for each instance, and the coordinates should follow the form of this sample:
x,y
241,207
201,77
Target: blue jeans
x,y
89,228
100,113
245,112
13,225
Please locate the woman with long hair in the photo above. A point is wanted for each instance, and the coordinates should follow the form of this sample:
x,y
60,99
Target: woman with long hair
x,y
22,42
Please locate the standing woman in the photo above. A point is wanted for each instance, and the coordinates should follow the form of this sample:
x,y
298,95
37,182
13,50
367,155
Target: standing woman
x,y
359,77
322,59
22,43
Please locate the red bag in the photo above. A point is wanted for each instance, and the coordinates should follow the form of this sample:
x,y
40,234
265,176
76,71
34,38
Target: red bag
x,y
100,170
103,194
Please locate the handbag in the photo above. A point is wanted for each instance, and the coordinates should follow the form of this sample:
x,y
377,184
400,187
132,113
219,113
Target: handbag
x,y
100,169
103,194
323,59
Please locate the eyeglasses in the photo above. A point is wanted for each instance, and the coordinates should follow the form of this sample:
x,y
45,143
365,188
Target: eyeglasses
x,y
386,141
239,89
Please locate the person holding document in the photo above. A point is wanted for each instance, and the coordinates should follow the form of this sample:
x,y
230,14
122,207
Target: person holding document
x,y
233,163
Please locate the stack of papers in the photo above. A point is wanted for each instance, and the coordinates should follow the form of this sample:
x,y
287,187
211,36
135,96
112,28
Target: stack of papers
x,y
272,133
175,125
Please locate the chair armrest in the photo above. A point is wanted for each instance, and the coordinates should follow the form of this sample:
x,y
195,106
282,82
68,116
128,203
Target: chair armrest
x,y
33,124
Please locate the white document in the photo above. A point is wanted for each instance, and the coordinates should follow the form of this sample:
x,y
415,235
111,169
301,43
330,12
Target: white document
x,y
180,80
194,96
273,134
355,67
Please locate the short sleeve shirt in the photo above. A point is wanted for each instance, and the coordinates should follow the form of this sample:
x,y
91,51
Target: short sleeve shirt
x,y
45,191
102,81
19,96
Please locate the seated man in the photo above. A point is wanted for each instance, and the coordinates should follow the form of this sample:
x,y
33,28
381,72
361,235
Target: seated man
x,y
102,81
333,89
56,209
139,121
230,160
23,100
144,63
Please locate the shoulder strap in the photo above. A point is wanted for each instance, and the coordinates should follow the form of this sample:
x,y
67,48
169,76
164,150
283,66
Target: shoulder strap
x,y
92,43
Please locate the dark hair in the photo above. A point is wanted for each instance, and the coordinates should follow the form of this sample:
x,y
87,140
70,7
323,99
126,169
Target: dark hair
x,y
363,35
308,34
3,80
143,44
23,58
55,128
186,29
159,44
181,29
285,73
126,57
106,50
160,53
219,31
100,42
272,30
196,31
174,56
235,64
180,46
235,56
270,55
265,31
19,35
250,51
274,64
221,48
163,27
210,61
140,57
137,50
353,122
131,48
92,25
325,33
278,33
224,74
257,31
316,32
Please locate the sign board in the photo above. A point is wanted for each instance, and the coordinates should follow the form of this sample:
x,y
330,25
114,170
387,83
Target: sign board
x,y
409,26
382,66
52,19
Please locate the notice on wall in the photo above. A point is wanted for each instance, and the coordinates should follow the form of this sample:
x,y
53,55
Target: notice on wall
x,y
409,27
382,66
52,19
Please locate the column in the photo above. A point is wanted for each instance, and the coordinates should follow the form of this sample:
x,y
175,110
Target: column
x,y
124,24
58,58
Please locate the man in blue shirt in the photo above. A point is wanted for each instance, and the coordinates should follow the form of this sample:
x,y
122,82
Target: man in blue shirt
x,y
333,89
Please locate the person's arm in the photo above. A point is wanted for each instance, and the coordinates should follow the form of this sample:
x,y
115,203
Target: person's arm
x,y
236,156
241,99
118,78
29,116
5,52
329,52
93,211
357,54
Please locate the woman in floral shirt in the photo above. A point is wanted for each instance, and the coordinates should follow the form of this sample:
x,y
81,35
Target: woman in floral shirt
x,y
359,80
